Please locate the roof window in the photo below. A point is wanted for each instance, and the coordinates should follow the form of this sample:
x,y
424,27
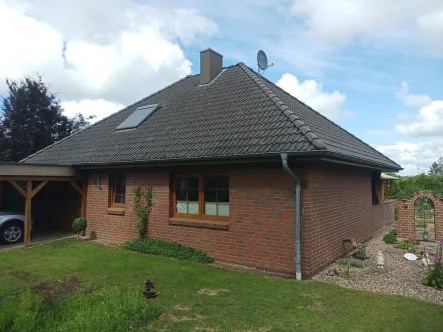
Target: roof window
x,y
137,117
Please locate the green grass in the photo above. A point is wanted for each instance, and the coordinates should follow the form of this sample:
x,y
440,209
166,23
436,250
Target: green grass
x,y
101,310
241,302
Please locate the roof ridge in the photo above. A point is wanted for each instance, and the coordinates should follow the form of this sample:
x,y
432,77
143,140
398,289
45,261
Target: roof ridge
x,y
105,118
296,121
329,120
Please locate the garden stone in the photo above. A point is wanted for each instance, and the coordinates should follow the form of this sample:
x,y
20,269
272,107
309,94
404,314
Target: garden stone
x,y
333,272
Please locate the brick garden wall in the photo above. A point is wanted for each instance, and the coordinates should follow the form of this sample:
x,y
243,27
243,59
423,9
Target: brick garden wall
x,y
336,204
405,225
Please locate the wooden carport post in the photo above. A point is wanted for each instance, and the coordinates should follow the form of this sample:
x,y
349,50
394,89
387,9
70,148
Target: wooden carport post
x,y
82,192
28,201
28,194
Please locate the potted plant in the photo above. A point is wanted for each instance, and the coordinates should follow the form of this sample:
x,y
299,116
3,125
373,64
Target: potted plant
x,y
425,235
79,225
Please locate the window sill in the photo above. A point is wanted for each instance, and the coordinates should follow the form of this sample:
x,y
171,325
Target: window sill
x,y
200,223
116,211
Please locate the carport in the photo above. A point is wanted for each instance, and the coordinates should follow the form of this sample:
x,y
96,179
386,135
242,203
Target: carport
x,y
29,179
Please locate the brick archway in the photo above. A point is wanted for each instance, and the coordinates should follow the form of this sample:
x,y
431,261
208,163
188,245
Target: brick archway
x,y
405,224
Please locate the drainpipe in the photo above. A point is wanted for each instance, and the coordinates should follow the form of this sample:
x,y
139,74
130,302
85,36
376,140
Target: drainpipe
x,y
284,160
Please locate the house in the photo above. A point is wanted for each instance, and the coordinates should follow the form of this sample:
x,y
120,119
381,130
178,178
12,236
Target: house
x,y
239,169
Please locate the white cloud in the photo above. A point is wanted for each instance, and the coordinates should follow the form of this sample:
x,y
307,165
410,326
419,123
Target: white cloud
x,y
340,21
117,51
428,122
311,93
410,99
99,107
413,157
103,20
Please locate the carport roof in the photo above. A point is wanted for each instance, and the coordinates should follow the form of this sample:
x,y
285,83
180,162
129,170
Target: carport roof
x,y
21,171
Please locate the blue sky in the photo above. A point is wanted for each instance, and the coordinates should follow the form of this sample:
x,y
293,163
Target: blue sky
x,y
372,66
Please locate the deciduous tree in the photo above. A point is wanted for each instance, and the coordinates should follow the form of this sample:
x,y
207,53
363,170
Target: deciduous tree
x,y
32,118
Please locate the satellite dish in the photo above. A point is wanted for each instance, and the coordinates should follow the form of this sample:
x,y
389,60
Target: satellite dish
x,y
262,60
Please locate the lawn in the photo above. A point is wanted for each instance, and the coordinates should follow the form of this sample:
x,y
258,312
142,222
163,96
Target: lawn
x,y
196,297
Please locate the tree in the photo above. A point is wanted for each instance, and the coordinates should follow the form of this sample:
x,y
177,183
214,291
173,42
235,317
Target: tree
x,y
436,167
32,118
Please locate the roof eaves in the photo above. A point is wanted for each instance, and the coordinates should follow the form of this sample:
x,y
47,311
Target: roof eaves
x,y
285,92
332,156
306,131
213,159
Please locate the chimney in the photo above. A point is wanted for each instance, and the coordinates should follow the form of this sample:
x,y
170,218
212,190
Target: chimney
x,y
211,64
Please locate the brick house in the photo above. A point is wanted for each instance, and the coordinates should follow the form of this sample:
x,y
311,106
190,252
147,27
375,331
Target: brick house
x,y
239,169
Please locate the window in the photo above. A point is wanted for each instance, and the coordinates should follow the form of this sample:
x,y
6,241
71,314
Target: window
x,y
216,196
375,187
187,192
201,196
137,117
117,189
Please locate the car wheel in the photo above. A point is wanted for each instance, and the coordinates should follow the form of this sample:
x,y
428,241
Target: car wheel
x,y
12,233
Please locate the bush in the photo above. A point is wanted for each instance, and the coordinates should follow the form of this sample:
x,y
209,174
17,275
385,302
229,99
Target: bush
x,y
404,245
104,310
390,237
407,186
350,261
79,224
434,274
167,249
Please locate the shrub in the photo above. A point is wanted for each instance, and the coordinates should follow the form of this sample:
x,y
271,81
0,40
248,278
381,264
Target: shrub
x,y
390,237
167,249
104,310
346,274
79,225
434,274
350,261
404,245
142,209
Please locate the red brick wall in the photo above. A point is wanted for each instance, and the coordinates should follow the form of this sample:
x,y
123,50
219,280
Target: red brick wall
x,y
121,228
261,222
337,205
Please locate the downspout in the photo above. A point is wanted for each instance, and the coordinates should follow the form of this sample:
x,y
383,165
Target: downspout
x,y
297,189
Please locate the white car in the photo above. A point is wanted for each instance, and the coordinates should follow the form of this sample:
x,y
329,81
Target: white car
x,y
11,226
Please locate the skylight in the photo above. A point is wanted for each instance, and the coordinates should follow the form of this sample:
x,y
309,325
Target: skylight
x,y
136,118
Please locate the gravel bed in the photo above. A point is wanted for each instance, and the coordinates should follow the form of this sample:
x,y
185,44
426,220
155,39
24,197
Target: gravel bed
x,y
400,276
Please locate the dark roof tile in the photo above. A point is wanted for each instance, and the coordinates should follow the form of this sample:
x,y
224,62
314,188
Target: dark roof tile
x,y
240,113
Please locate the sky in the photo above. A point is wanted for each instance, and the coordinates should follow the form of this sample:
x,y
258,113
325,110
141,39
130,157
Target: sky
x,y
375,67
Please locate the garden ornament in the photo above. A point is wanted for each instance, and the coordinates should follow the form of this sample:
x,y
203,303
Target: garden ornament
x,y
380,260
